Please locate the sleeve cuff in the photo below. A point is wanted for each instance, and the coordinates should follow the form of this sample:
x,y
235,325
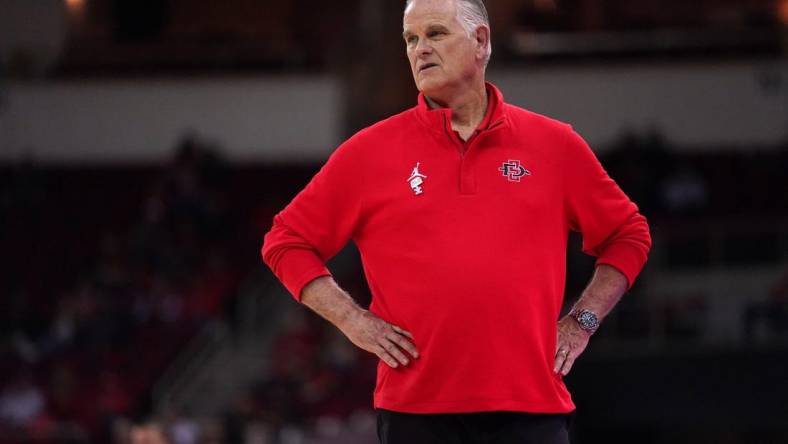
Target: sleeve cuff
x,y
625,258
298,267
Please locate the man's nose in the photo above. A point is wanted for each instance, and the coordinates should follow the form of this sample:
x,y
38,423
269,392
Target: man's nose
x,y
423,48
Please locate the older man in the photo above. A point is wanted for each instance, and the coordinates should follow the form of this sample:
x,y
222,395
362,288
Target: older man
x,y
461,207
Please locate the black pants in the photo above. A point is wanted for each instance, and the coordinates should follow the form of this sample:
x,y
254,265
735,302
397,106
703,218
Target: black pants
x,y
473,428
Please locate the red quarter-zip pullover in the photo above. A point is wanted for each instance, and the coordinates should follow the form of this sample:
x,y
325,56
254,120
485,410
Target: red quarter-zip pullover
x,y
471,258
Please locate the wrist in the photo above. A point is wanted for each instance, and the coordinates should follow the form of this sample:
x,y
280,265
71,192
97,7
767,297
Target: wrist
x,y
349,316
327,299
585,319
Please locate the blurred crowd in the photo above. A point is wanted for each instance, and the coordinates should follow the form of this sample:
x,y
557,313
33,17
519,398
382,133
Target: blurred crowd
x,y
709,182
317,389
82,349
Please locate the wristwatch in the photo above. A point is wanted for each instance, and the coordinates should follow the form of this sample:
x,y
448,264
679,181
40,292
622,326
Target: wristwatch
x,y
586,318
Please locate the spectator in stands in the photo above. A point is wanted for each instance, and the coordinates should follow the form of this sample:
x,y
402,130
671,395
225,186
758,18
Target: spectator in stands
x,y
150,433
21,402
181,428
771,314
542,16
684,191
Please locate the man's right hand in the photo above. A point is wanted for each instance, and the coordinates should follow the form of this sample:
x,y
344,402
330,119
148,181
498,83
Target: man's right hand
x,y
377,336
363,328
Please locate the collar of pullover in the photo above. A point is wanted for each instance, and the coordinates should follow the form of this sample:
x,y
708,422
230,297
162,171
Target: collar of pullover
x,y
437,119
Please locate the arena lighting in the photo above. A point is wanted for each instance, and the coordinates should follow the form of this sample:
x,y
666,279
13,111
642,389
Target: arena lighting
x,y
782,12
75,11
75,4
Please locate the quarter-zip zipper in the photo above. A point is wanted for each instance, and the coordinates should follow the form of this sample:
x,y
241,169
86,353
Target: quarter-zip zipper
x,y
465,185
452,137
456,142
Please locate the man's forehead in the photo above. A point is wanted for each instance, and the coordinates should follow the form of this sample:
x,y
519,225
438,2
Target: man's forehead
x,y
429,9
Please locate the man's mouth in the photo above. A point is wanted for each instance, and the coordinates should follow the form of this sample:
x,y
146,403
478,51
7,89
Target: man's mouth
x,y
427,66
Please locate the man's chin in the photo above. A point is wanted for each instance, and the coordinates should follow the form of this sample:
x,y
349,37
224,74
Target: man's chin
x,y
430,87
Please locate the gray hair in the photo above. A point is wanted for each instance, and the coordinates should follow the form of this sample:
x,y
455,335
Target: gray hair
x,y
471,14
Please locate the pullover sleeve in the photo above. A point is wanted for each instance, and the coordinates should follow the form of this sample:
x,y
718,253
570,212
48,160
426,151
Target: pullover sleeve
x,y
613,230
317,223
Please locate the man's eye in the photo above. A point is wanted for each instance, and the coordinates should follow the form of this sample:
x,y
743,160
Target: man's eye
x,y
435,33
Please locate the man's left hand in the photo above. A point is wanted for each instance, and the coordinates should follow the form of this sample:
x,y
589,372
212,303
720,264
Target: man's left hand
x,y
572,340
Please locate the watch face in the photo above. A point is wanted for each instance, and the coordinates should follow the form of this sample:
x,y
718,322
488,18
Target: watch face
x,y
587,320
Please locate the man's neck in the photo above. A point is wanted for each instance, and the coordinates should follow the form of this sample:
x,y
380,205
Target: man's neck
x,y
467,109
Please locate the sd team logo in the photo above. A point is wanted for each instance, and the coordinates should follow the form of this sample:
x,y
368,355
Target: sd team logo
x,y
513,171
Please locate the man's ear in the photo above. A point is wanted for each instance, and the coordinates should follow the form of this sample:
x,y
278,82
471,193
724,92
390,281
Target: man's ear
x,y
482,39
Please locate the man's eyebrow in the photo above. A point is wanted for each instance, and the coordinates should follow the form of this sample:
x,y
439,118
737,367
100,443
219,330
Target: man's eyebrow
x,y
437,26
430,27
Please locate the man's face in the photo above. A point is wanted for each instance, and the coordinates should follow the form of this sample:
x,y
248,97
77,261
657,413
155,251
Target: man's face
x,y
442,56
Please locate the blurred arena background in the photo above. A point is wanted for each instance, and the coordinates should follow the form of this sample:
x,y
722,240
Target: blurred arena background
x,y
145,146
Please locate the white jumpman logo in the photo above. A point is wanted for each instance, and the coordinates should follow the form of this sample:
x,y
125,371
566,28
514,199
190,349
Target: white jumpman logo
x,y
415,172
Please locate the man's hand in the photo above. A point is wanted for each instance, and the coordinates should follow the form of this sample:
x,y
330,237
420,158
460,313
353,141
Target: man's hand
x,y
602,293
363,328
572,340
377,336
